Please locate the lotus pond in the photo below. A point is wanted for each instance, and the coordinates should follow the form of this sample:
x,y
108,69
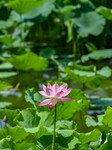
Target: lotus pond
x,y
55,75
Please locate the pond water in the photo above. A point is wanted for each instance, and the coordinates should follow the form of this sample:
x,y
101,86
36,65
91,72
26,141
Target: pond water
x,y
22,82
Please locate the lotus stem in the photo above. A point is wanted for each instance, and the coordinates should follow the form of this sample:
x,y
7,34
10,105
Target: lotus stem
x,y
54,131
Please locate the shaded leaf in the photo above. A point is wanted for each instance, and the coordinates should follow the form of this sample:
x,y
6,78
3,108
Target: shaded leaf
x,y
5,24
98,55
94,24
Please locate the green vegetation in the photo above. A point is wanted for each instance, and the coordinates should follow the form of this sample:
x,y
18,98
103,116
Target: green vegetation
x,y
48,41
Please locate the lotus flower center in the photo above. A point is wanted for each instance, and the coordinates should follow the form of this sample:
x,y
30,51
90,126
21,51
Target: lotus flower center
x,y
53,98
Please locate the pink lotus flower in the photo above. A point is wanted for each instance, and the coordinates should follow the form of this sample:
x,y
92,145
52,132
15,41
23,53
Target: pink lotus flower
x,y
54,94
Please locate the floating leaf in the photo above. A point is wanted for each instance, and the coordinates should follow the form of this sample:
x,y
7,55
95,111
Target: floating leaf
x,y
6,65
29,61
4,85
4,104
87,74
5,24
23,6
98,55
90,23
7,74
105,71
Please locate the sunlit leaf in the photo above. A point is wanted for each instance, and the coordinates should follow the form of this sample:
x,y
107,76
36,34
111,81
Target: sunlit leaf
x,y
29,61
57,146
10,115
67,9
65,133
23,6
90,121
103,147
107,120
16,133
6,144
44,10
106,12
73,142
28,118
25,146
89,137
6,39
34,123
90,23
84,147
79,103
30,96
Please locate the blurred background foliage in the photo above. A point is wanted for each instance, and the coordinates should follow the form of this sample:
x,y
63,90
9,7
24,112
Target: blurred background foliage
x,y
53,40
